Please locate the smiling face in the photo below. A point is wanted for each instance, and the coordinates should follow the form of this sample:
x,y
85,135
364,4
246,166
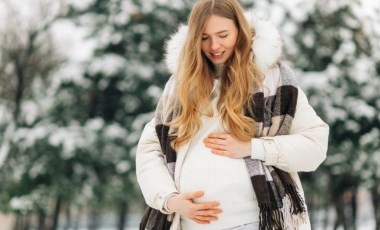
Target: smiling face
x,y
219,38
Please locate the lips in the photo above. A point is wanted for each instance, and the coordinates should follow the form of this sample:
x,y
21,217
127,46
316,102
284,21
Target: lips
x,y
217,55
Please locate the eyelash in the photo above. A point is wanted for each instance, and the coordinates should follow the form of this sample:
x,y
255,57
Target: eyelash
x,y
221,36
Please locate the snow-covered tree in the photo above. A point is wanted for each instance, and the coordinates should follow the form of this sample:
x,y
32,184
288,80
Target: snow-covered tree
x,y
27,60
69,136
333,46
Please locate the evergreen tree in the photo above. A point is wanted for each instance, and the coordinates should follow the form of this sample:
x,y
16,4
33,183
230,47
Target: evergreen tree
x,y
27,59
333,48
72,130
333,43
124,79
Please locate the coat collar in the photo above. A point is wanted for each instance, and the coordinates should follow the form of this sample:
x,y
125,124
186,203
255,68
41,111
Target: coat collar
x,y
266,45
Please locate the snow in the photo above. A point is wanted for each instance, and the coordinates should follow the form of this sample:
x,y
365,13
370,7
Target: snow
x,y
80,5
137,68
21,203
30,13
309,40
371,137
114,131
359,108
67,34
123,166
172,3
141,120
144,47
30,111
133,137
154,92
5,114
4,151
363,70
65,138
311,78
345,51
294,9
351,125
128,7
87,192
368,9
109,65
26,137
334,114
70,72
37,169
74,44
95,124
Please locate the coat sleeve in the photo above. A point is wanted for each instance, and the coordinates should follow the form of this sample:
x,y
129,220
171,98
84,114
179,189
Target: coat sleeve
x,y
304,149
152,173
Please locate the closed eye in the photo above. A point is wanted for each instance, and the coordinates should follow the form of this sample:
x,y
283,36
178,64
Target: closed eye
x,y
223,36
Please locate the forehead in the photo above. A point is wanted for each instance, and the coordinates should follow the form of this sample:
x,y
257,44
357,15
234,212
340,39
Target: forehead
x,y
216,23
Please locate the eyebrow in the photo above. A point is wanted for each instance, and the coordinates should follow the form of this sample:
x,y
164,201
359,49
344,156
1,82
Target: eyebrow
x,y
220,32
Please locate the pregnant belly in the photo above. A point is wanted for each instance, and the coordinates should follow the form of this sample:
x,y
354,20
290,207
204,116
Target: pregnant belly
x,y
222,179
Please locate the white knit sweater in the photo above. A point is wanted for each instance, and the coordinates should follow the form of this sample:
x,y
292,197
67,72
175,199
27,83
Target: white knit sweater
x,y
222,179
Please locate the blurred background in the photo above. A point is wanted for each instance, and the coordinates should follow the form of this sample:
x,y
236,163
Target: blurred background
x,y
79,79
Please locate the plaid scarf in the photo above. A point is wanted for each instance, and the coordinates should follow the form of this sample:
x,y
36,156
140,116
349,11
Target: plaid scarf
x,y
281,205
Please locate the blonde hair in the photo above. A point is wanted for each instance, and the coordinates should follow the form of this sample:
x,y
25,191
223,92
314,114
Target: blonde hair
x,y
195,76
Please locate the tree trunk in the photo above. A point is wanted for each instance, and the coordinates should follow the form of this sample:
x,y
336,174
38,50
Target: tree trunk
x,y
353,207
26,222
312,210
77,219
19,91
41,219
122,215
18,222
94,219
325,219
68,218
375,192
339,209
56,212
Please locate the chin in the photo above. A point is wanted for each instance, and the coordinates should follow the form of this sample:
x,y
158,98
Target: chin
x,y
218,61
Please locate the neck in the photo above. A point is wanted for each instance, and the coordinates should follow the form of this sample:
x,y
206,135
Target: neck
x,y
218,70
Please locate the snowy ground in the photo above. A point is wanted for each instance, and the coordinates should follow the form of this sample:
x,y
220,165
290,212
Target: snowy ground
x,y
108,221
108,224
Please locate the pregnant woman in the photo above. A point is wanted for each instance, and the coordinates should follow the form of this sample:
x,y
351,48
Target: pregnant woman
x,y
231,129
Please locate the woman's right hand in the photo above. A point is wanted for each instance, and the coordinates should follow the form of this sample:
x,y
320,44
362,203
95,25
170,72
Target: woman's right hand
x,y
201,213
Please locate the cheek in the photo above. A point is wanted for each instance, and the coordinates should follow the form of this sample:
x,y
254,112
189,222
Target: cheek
x,y
232,43
204,47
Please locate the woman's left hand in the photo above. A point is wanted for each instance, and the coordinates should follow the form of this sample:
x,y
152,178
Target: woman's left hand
x,y
225,144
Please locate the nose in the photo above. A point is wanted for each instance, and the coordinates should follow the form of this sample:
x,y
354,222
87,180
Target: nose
x,y
215,44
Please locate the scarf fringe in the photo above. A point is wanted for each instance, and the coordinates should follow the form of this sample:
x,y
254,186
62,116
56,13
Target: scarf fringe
x,y
298,204
270,218
291,214
290,219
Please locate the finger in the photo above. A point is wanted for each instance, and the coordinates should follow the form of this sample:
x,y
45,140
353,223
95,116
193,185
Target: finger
x,y
200,221
216,141
208,212
208,205
215,146
206,218
218,135
194,195
220,152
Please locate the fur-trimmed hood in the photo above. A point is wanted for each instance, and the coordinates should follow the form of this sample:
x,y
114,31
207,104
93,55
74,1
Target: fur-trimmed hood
x,y
267,44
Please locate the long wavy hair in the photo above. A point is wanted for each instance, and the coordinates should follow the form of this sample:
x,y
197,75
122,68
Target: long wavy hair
x,y
195,76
